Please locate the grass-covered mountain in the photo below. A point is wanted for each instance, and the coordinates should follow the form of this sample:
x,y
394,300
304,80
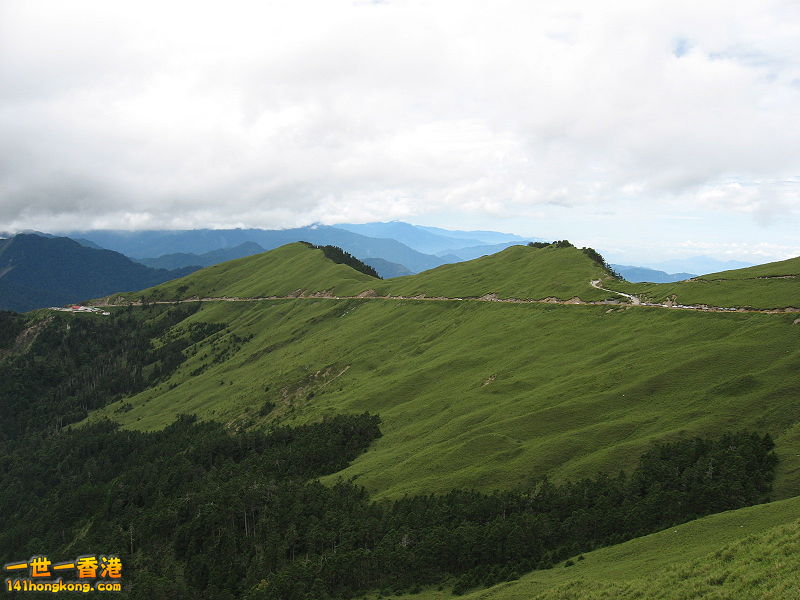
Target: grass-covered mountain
x,y
516,272
289,270
37,271
522,272
478,401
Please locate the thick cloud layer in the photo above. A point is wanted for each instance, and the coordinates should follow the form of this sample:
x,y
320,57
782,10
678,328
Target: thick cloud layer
x,y
527,115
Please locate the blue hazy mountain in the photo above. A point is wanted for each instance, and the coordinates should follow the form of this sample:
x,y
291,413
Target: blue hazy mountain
x,y
698,264
637,274
387,269
186,259
38,271
415,237
147,244
472,252
451,245
485,237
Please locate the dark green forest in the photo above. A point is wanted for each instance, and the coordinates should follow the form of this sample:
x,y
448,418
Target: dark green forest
x,y
201,511
59,366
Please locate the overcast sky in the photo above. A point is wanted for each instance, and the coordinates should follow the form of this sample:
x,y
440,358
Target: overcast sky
x,y
646,129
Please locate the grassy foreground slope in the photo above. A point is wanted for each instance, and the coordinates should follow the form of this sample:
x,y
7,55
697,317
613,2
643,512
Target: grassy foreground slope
x,y
483,394
750,553
768,286
280,272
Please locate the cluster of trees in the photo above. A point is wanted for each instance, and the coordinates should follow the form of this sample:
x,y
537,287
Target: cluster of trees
x,y
11,325
76,363
339,256
556,244
197,511
193,510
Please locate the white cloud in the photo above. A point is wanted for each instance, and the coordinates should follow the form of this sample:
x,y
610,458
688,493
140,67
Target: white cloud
x,y
185,114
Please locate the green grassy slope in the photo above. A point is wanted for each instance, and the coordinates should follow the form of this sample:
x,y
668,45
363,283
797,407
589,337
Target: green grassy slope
x,y
516,272
774,269
768,286
479,394
751,553
279,272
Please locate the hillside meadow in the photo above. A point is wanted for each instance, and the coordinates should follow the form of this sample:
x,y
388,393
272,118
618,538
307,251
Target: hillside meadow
x,y
487,395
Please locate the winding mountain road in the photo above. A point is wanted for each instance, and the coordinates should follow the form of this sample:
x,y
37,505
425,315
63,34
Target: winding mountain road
x,y
371,295
595,283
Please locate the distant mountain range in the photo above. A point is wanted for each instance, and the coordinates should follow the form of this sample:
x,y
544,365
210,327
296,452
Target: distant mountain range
x,y
396,248
38,271
414,247
56,270
440,242
639,274
698,264
386,269
148,244
185,259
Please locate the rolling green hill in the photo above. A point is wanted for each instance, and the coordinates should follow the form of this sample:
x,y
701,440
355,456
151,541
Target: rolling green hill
x,y
287,270
770,286
779,268
517,272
